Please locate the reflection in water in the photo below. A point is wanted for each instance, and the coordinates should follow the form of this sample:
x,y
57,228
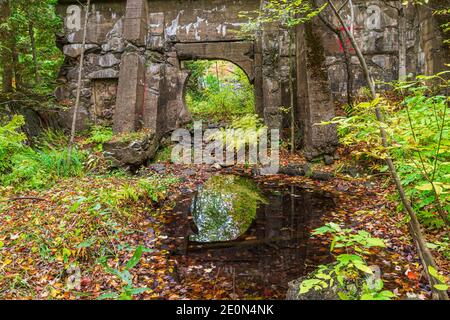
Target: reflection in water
x,y
224,208
261,236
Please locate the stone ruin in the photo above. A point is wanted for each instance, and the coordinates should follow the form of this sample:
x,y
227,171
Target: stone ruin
x,y
134,76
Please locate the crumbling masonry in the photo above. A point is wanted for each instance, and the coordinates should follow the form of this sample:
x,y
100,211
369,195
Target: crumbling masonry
x,y
134,76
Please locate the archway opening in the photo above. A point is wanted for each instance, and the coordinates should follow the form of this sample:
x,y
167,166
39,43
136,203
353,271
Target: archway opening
x,y
218,91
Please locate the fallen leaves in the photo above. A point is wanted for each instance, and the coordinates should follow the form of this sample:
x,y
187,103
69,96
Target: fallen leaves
x,y
40,240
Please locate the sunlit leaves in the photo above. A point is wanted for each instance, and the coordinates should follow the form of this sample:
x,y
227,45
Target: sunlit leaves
x,y
418,132
287,13
442,285
344,238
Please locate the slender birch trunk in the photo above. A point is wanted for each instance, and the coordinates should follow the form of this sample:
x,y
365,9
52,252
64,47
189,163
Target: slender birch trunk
x,y
80,73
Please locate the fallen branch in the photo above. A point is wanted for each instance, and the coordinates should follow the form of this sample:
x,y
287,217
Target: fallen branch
x,y
246,243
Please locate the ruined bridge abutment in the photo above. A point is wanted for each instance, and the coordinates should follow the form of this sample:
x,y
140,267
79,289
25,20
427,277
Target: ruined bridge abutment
x,y
134,76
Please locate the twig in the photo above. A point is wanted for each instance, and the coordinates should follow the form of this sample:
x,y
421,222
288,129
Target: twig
x,y
26,198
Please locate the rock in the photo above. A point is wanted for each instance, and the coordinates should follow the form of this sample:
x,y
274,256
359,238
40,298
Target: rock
x,y
216,166
292,170
82,118
321,176
305,170
105,61
61,93
131,154
104,74
351,170
115,44
158,168
74,50
329,160
188,172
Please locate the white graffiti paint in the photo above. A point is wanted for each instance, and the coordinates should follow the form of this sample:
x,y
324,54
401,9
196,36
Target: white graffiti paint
x,y
174,26
222,29
195,28
73,18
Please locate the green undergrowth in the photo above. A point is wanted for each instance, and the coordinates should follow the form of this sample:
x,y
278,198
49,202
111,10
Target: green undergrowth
x,y
23,167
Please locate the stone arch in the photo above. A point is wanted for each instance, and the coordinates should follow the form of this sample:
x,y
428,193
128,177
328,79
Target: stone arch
x,y
142,42
240,53
188,77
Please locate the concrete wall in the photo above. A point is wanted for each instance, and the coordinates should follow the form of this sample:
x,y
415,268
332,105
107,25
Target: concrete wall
x,y
134,77
377,27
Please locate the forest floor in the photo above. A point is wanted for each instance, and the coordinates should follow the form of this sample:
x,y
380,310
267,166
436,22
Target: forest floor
x,y
65,242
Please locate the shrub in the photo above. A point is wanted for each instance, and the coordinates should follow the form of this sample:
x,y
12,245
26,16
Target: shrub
x,y
418,132
23,167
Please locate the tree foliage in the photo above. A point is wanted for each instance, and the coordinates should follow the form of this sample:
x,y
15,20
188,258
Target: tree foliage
x,y
218,90
418,129
29,35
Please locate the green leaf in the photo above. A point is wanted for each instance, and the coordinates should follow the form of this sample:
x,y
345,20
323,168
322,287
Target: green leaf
x,y
343,296
425,187
138,290
321,230
333,243
441,287
125,296
74,207
1,244
135,259
387,294
308,284
323,276
434,273
432,245
367,296
375,242
86,244
363,267
125,276
346,258
335,227
106,296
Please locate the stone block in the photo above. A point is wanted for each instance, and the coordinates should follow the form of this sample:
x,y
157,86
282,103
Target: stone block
x,y
135,24
130,94
104,74
74,50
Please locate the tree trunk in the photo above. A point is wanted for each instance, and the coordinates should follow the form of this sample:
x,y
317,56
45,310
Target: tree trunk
x,y
80,74
291,90
401,42
16,62
425,254
33,50
6,58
